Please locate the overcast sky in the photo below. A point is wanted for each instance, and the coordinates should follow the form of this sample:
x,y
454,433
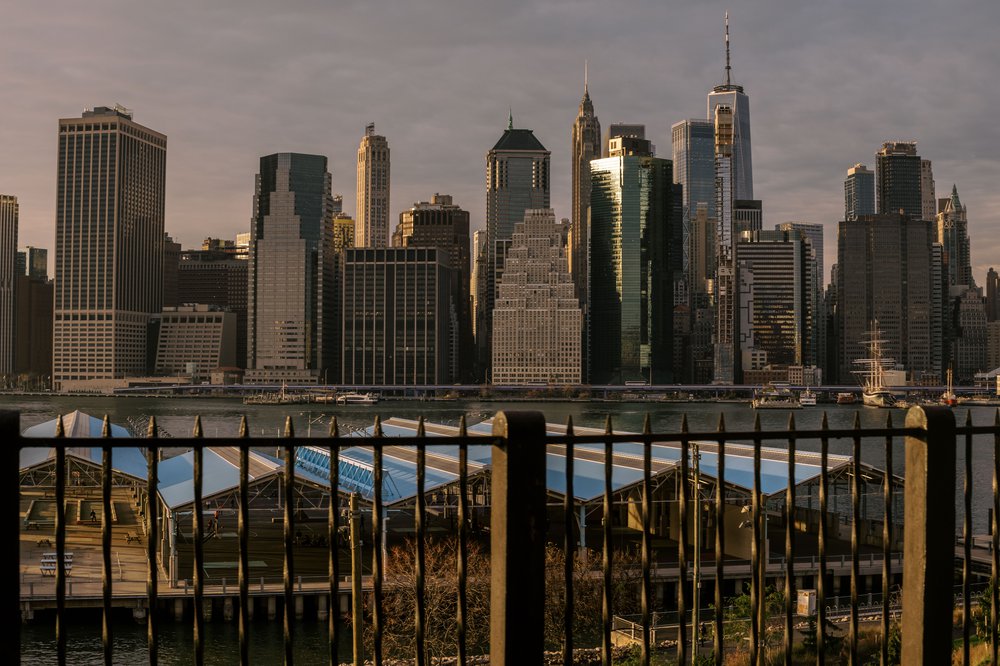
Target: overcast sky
x,y
230,80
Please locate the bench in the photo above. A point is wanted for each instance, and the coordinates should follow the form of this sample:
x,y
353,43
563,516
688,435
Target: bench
x,y
51,557
49,568
30,525
129,538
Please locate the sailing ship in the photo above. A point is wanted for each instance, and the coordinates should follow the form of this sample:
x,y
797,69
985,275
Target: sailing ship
x,y
949,398
776,396
871,372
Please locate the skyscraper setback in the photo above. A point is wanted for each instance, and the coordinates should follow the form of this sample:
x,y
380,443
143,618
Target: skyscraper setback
x,y
291,276
111,179
372,220
731,95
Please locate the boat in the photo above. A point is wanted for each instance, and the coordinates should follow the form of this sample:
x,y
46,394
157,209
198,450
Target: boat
x,y
871,372
777,395
807,398
846,398
948,398
357,398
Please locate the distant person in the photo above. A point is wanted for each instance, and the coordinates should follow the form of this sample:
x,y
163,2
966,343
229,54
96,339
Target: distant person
x,y
93,516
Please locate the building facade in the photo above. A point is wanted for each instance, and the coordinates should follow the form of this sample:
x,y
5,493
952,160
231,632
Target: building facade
x,y
290,277
33,331
586,146
953,234
992,294
396,316
537,320
194,340
110,198
372,218
726,361
217,277
859,192
693,143
813,234
928,201
441,224
8,281
633,218
899,175
517,179
36,262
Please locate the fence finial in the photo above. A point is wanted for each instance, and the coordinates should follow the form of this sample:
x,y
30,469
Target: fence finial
x,y
791,421
462,430
378,425
197,426
60,428
244,427
106,426
569,425
334,427
151,430
647,428
289,428
420,427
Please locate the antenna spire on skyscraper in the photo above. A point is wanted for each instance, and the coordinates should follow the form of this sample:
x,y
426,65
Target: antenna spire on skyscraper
x,y
510,118
728,67
586,76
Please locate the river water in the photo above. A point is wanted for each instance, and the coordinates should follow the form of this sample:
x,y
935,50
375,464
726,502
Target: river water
x,y
221,417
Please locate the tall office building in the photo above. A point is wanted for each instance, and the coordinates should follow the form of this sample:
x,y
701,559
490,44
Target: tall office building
x,y
859,192
731,95
477,283
631,130
517,179
396,317
442,224
693,143
898,178
586,147
726,294
928,202
634,226
953,234
217,277
343,231
36,262
702,256
109,247
888,270
372,218
747,216
8,281
992,294
194,340
171,263
778,267
33,330
813,233
537,319
290,304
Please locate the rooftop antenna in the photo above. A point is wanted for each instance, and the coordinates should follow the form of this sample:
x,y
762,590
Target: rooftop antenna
x,y
510,118
727,50
586,77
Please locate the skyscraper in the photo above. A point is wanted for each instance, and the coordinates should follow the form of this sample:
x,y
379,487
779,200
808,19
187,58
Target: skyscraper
x,y
693,144
217,277
992,294
859,192
899,174
632,130
442,224
517,179
290,304
109,247
726,306
634,226
8,281
537,318
813,233
36,262
888,271
372,218
731,95
586,147
928,202
953,234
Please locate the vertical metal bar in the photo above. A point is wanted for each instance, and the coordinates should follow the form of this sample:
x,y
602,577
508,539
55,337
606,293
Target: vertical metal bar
x,y
421,607
647,585
198,519
886,542
463,538
929,548
790,544
107,632
517,539
569,547
60,546
243,527
757,559
152,539
682,542
824,481
333,539
607,606
967,546
720,544
995,533
289,569
378,622
855,536
10,431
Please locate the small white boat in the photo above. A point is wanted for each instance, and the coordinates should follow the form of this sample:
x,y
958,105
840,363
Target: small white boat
x,y
807,398
357,398
776,396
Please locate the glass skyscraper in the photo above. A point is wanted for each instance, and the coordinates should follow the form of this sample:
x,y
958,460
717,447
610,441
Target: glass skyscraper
x,y
8,280
693,144
633,225
900,173
731,95
859,192
291,273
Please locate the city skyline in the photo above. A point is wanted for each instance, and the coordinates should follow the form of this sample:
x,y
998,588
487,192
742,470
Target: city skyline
x,y
198,59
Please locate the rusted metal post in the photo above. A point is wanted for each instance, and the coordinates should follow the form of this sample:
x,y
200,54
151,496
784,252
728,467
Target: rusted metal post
x,y
929,544
517,541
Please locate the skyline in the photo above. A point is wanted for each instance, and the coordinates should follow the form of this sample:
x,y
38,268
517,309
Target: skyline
x,y
207,78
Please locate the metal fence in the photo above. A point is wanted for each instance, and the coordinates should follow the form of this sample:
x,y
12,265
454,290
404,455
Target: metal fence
x,y
518,534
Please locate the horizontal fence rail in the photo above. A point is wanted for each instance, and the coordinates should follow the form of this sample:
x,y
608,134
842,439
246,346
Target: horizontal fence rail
x,y
661,528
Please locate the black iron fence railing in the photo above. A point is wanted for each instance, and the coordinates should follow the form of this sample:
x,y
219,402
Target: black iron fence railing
x,y
719,505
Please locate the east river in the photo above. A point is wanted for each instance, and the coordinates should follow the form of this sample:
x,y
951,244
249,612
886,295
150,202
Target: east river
x,y
220,417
